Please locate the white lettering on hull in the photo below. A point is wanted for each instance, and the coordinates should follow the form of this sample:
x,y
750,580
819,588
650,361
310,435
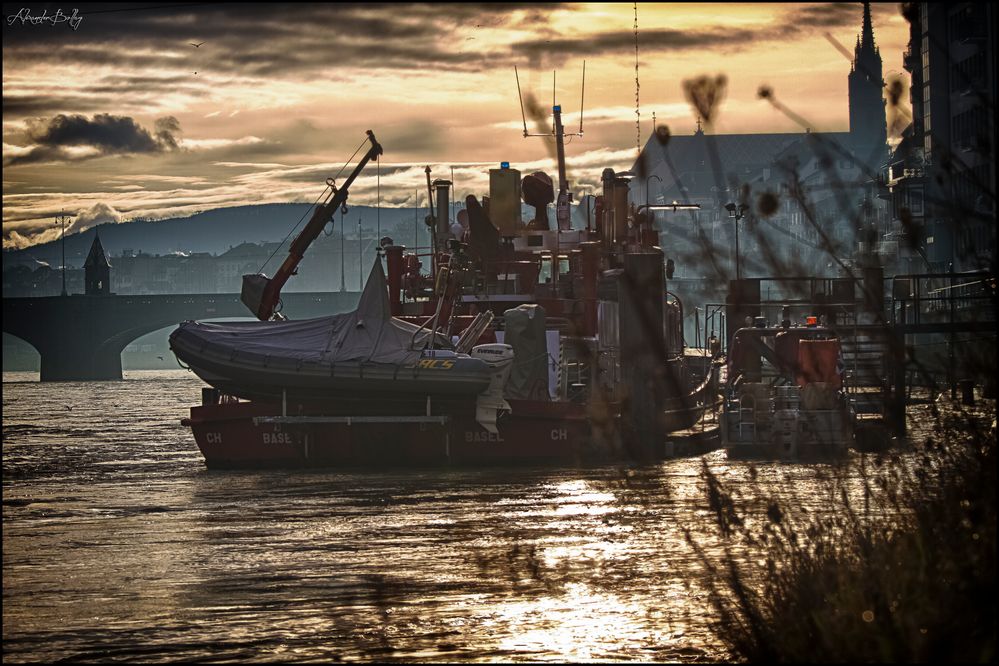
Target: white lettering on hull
x,y
556,435
482,437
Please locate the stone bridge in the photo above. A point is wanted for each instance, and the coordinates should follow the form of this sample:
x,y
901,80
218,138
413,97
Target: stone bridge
x,y
81,337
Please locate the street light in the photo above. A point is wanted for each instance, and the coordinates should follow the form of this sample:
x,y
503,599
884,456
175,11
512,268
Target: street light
x,y
62,218
736,213
647,187
652,217
343,281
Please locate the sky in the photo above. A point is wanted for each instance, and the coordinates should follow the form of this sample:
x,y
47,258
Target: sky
x,y
117,114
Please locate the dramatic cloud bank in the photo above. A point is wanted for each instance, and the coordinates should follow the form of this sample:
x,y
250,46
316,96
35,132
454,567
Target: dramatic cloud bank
x,y
61,138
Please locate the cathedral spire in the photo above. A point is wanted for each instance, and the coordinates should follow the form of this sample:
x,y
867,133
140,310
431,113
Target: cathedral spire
x,y
867,38
868,125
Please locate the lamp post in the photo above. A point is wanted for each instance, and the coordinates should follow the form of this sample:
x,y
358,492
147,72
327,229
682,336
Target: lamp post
x,y
62,218
651,219
647,187
343,283
736,213
675,206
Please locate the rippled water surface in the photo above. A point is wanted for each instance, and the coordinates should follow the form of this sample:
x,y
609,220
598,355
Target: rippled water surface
x,y
118,544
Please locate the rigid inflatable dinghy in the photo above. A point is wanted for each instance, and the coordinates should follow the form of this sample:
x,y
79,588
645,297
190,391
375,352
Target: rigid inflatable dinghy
x,y
367,351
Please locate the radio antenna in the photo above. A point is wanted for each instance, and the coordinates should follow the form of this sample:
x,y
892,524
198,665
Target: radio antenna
x,y
521,97
553,100
557,128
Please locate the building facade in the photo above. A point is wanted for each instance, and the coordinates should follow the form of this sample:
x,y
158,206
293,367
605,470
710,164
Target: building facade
x,y
942,177
812,197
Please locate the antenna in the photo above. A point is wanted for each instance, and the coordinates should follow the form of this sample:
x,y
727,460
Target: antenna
x,y
521,97
554,131
638,112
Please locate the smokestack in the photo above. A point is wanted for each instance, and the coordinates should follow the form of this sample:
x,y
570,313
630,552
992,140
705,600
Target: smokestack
x,y
620,210
607,221
443,207
394,259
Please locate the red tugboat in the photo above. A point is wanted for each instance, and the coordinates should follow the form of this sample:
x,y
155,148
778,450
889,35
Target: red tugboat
x,y
524,344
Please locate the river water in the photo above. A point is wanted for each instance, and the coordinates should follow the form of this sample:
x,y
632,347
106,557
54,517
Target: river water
x,y
118,544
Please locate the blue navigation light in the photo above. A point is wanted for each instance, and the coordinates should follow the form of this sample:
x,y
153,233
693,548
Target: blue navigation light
x,y
557,108
504,165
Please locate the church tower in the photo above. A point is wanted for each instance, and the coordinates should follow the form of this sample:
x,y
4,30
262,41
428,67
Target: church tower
x,y
97,270
868,127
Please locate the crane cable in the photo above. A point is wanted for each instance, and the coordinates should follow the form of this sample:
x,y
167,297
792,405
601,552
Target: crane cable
x,y
313,205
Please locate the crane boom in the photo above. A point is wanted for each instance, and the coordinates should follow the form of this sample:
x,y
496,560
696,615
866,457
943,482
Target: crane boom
x,y
260,293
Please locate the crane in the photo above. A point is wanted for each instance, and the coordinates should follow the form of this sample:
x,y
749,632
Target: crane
x,y
262,294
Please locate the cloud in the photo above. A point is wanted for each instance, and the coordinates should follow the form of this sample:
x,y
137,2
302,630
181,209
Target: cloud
x,y
99,213
18,105
167,129
554,48
213,144
15,241
557,49
113,134
415,136
262,39
75,137
828,16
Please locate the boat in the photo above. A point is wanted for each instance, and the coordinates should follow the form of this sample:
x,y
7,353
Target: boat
x,y
783,394
524,343
360,352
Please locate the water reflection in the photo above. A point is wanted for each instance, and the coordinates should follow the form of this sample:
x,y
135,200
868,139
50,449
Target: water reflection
x,y
118,544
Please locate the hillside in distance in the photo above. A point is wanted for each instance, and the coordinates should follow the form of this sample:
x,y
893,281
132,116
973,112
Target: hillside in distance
x,y
216,231
212,231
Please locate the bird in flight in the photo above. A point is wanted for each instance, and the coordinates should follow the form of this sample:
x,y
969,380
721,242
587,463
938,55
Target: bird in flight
x,y
69,407
198,45
160,357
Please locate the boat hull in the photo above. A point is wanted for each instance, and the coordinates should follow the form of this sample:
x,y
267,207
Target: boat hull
x,y
811,435
258,435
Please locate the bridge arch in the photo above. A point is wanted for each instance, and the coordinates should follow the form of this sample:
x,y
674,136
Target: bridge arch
x,y
82,337
20,348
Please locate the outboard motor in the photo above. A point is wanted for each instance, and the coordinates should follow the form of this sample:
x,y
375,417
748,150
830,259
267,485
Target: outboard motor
x,y
490,404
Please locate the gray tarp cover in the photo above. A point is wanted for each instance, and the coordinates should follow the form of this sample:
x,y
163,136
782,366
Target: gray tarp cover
x,y
369,333
525,332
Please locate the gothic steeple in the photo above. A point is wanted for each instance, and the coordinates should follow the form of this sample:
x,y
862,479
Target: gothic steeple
x,y
867,33
97,270
868,125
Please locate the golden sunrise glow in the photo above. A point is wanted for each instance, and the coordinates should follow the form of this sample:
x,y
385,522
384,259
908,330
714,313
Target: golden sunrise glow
x,y
268,95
